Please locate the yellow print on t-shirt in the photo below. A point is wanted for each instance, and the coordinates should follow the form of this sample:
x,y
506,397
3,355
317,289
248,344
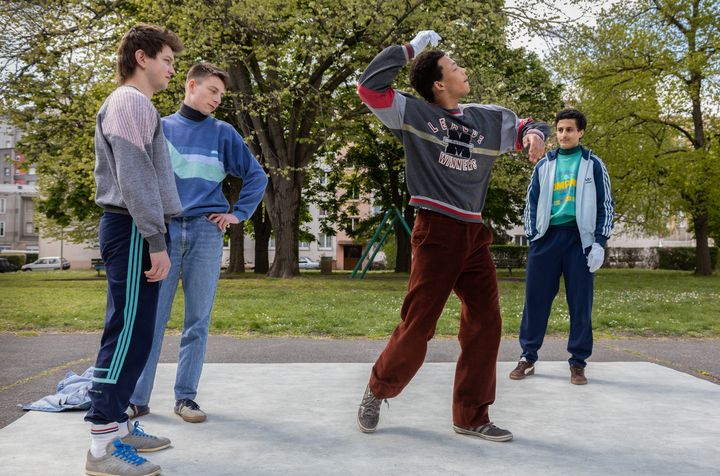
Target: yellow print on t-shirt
x,y
565,184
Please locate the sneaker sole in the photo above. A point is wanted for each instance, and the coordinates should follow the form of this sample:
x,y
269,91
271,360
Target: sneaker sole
x,y
99,473
150,450
188,419
366,430
520,377
463,431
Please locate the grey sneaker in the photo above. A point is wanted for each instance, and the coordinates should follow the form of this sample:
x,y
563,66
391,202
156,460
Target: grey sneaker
x,y
136,411
487,431
120,460
189,411
144,442
369,412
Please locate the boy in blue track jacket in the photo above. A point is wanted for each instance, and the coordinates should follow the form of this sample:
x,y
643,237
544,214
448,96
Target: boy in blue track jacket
x,y
204,151
450,150
568,220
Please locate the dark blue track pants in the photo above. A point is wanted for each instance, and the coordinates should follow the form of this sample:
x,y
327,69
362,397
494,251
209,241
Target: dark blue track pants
x,y
558,252
129,319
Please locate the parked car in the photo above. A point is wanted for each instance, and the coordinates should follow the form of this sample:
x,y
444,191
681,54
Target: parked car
x,y
226,264
52,262
6,266
306,263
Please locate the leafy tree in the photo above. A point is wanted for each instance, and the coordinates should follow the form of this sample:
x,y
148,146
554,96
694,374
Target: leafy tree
x,y
292,65
648,77
54,75
290,62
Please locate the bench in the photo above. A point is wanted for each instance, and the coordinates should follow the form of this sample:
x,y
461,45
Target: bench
x,y
509,262
98,264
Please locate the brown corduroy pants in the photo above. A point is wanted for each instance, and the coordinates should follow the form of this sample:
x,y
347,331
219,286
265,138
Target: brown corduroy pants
x,y
448,255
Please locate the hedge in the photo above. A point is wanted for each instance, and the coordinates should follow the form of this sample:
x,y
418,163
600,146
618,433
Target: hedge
x,y
18,259
682,258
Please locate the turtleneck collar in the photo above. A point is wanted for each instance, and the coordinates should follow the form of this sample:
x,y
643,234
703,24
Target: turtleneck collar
x,y
192,114
573,151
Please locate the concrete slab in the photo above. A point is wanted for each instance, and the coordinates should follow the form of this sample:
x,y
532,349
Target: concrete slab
x,y
633,418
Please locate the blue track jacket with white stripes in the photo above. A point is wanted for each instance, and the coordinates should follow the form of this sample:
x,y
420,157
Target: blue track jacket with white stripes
x,y
593,206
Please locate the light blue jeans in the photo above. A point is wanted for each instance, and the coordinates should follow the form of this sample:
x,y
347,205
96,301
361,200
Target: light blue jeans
x,y
195,255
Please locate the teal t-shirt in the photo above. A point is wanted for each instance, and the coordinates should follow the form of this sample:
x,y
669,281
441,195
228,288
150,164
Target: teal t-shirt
x,y
563,205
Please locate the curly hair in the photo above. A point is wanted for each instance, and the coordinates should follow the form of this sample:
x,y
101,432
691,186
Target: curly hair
x,y
425,71
580,120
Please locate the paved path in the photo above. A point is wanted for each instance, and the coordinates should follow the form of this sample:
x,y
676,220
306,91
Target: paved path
x,y
30,367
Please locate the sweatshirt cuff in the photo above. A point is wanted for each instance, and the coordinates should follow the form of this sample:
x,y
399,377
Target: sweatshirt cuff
x,y
537,132
240,215
156,242
409,52
600,240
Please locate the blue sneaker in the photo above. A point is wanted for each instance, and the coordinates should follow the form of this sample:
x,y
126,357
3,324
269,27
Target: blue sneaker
x,y
120,460
144,442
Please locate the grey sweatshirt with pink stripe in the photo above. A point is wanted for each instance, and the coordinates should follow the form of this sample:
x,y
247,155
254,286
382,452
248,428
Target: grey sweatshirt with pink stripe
x,y
449,153
133,172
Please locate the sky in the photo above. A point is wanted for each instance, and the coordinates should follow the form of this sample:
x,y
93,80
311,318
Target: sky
x,y
566,10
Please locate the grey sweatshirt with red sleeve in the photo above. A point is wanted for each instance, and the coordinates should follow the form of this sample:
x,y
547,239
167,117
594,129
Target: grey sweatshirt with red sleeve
x,y
449,153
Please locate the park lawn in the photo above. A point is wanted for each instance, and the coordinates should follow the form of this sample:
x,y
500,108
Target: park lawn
x,y
627,302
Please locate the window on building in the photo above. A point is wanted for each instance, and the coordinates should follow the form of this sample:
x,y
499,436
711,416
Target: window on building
x,y
29,228
322,212
2,228
521,240
3,204
304,245
7,172
325,242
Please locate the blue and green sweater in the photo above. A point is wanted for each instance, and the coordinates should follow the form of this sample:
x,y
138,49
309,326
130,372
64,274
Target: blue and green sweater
x,y
203,153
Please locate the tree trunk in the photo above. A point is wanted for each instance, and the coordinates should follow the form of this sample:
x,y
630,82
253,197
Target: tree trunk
x,y
403,259
285,218
261,224
232,189
703,265
237,249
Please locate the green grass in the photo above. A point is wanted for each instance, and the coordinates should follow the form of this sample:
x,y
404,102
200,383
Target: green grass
x,y
627,302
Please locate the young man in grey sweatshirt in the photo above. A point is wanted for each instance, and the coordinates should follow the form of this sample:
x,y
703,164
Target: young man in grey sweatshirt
x,y
450,149
136,188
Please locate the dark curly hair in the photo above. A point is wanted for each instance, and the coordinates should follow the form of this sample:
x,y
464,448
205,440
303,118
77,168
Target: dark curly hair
x,y
425,71
580,120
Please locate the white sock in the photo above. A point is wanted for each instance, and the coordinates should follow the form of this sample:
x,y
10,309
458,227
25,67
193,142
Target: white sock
x,y
101,435
124,429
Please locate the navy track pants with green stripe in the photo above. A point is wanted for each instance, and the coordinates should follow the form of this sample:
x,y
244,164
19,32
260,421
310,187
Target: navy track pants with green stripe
x,y
129,319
